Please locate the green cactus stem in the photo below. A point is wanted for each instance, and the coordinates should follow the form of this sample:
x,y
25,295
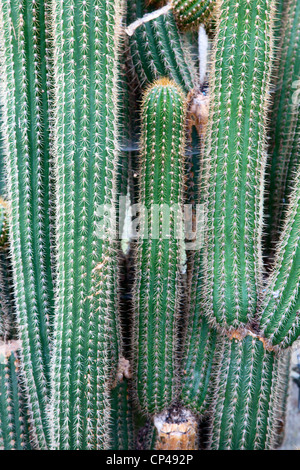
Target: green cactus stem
x,y
25,133
234,162
284,373
157,50
192,13
285,135
14,433
7,320
86,345
158,254
122,421
246,395
280,305
198,356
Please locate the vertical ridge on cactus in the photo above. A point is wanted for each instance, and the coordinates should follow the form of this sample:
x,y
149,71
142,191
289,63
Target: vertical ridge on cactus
x,y
26,147
285,135
158,251
234,162
14,433
279,312
157,50
85,357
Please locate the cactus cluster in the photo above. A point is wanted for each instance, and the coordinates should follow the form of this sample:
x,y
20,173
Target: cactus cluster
x,y
111,347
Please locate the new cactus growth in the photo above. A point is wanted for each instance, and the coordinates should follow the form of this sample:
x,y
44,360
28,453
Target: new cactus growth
x,y
158,252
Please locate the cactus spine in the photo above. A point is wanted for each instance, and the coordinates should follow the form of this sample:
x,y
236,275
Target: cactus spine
x,y
26,147
86,39
157,286
235,159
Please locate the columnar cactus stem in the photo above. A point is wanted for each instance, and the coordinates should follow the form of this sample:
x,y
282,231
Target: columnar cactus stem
x,y
235,160
26,146
14,433
191,13
158,253
122,424
285,114
280,307
85,358
246,395
198,356
7,324
157,50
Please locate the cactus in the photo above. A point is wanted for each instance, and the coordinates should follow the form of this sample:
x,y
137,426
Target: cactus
x,y
26,147
198,356
3,223
235,159
208,330
122,418
284,147
157,50
280,306
7,323
245,405
157,284
14,432
85,356
191,13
